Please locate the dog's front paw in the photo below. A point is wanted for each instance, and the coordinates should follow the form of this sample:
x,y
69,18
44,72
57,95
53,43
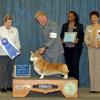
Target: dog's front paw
x,y
42,76
65,76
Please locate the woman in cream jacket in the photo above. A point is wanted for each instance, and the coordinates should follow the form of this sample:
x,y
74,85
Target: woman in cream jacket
x,y
92,38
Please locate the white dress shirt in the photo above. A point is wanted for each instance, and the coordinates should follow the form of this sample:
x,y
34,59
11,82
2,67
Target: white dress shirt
x,y
12,35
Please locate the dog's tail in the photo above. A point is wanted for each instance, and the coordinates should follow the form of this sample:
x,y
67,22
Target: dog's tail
x,y
65,68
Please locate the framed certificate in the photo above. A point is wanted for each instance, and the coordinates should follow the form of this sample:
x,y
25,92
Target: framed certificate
x,y
70,36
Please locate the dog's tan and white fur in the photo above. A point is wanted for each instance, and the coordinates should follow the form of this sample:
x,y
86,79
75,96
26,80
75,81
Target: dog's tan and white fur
x,y
44,68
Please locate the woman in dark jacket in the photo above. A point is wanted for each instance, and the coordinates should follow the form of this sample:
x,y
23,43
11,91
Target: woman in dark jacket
x,y
72,50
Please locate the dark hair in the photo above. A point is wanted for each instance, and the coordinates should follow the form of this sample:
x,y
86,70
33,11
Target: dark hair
x,y
94,13
7,17
76,16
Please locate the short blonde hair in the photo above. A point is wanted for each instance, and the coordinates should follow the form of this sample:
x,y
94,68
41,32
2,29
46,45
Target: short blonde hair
x,y
40,13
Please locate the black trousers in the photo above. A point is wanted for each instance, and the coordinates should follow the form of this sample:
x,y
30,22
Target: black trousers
x,y
72,57
6,69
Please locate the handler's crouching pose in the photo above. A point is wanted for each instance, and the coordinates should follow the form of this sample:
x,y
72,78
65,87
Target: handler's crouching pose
x,y
52,46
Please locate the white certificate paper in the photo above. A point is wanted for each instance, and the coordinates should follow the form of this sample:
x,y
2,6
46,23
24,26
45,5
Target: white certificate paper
x,y
70,36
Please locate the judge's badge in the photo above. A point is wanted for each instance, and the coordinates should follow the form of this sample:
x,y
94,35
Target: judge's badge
x,y
9,48
53,35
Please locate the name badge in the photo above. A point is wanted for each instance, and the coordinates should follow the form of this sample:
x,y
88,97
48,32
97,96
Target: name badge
x,y
53,35
90,31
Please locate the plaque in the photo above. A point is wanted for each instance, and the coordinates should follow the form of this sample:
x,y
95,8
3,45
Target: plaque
x,y
9,48
22,71
98,35
45,86
23,86
70,89
70,36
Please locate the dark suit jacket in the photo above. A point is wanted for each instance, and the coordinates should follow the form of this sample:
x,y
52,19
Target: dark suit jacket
x,y
77,28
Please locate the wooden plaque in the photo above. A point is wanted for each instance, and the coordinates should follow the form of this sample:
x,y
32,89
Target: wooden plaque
x,y
22,87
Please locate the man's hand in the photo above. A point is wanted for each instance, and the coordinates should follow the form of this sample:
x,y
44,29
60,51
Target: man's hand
x,y
42,50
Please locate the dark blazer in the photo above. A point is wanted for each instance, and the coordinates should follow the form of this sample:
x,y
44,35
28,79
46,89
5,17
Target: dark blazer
x,y
77,28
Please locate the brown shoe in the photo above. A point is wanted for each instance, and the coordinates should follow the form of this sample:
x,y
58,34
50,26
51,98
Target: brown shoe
x,y
9,89
92,91
97,91
4,90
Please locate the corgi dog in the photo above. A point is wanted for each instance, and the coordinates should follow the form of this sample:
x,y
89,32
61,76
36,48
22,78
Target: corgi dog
x,y
44,68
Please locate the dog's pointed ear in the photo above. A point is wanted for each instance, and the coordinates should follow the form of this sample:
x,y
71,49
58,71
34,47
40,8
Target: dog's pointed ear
x,y
31,52
37,51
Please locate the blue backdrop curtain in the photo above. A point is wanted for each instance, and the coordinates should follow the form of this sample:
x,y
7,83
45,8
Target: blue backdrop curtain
x,y
23,14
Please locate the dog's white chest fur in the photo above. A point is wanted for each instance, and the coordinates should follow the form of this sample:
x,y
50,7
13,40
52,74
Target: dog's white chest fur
x,y
36,68
35,59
